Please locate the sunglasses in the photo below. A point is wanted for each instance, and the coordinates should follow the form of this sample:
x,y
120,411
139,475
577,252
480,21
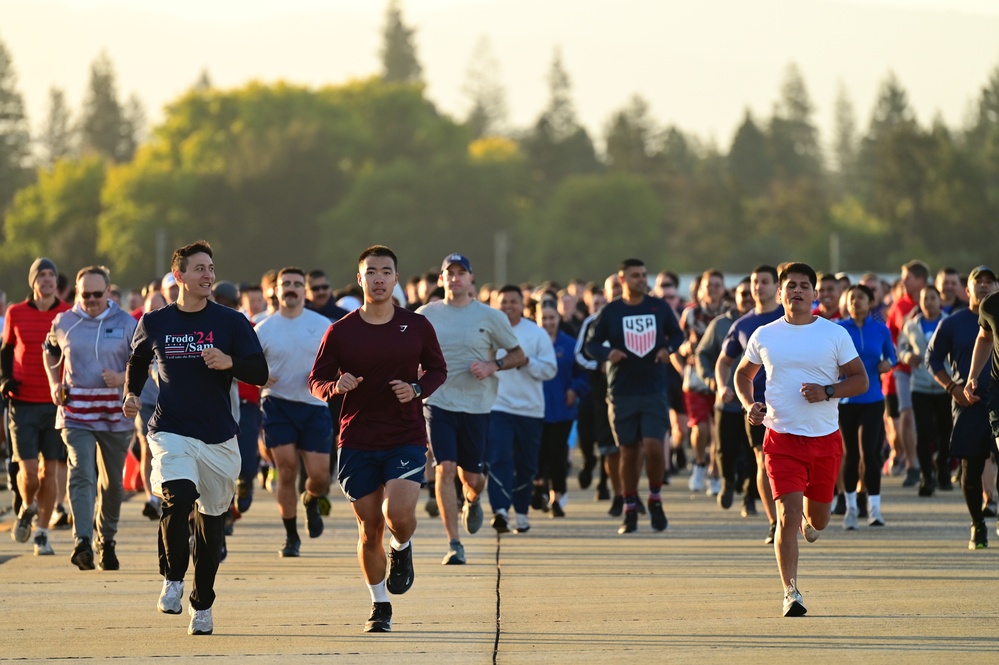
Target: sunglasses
x,y
91,295
319,287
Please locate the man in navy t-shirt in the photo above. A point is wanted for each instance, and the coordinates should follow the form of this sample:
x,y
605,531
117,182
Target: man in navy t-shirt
x,y
642,333
201,347
763,282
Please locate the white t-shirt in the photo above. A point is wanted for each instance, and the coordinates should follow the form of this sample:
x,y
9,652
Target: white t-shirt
x,y
290,346
468,334
797,354
522,390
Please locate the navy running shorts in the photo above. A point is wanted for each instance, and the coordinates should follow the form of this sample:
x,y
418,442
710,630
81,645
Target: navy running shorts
x,y
458,437
362,472
637,417
308,426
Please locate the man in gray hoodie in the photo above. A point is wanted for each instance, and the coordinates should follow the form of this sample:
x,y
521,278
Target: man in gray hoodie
x,y
86,354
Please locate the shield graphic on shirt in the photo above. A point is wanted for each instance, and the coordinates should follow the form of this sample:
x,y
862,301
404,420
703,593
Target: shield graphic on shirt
x,y
639,333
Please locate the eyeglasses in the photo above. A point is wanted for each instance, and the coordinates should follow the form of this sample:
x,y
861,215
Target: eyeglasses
x,y
297,285
91,295
318,287
667,285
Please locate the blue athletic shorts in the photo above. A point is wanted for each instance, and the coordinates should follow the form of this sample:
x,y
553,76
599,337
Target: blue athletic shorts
x,y
458,437
308,426
362,472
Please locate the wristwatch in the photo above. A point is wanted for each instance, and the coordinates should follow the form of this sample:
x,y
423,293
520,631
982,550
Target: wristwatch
x,y
499,363
417,390
830,391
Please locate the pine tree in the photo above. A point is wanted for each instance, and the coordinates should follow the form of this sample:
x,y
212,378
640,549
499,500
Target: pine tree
x,y
15,138
399,61
58,133
104,128
488,113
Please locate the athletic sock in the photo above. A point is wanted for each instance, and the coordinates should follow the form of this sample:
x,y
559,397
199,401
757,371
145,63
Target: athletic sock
x,y
874,501
397,546
851,500
378,592
291,528
630,502
654,491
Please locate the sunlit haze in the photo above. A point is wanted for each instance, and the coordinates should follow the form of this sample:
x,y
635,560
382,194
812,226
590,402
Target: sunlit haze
x,y
700,65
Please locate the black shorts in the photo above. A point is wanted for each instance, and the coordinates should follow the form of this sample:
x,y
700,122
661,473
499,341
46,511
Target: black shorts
x,y
993,398
891,406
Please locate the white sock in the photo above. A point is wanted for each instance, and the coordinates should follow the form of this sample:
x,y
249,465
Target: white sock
x,y
874,502
851,500
378,592
41,531
397,546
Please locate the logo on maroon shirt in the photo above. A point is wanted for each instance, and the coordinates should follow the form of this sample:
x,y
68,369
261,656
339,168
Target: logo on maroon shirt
x,y
403,327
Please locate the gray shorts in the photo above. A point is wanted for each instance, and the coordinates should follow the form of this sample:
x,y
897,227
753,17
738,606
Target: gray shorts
x,y
903,388
637,417
33,432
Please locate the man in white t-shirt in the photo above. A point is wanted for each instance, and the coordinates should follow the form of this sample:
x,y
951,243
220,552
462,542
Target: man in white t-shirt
x,y
296,424
804,357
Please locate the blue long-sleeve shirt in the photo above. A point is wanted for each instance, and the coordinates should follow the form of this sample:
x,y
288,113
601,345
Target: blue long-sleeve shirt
x,y
873,342
570,376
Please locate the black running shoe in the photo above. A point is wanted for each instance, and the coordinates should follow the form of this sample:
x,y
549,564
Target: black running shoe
x,y
556,510
725,496
617,507
585,477
840,508
290,549
244,494
106,557
657,515
771,534
501,522
603,494
400,576
151,510
861,504
313,517
380,620
641,507
630,523
83,556
538,499
979,536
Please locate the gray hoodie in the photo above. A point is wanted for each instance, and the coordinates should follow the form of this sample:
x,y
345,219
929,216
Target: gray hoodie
x,y
87,345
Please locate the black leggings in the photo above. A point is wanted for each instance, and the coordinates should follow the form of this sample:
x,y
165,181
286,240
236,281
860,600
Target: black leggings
x,y
971,485
174,541
553,454
733,443
933,425
863,428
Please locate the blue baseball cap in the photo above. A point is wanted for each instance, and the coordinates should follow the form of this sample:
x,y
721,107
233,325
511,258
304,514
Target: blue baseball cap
x,y
456,258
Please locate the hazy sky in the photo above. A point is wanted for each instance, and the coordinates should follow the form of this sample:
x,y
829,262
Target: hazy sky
x,y
699,64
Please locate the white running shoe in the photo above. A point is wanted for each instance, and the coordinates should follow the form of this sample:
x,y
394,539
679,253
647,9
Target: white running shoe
x,y
794,605
714,486
810,533
170,597
875,518
201,621
850,519
523,525
697,476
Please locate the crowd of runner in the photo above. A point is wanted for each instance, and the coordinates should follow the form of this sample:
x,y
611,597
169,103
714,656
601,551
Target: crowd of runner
x,y
473,390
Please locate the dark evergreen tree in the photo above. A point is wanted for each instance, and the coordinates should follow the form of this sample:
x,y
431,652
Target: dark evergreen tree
x,y
399,61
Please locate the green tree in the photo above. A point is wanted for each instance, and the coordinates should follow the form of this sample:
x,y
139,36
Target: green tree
x,y
58,133
483,88
794,138
557,145
749,159
591,223
104,127
398,53
631,138
15,138
845,141
56,217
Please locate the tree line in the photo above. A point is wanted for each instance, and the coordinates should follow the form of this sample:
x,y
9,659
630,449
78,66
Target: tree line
x,y
282,174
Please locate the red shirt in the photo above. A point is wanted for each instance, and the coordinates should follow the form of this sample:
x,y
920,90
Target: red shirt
x,y
372,418
897,314
26,328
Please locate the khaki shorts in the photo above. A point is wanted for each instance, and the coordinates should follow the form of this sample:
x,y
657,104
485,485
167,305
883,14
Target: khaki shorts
x,y
213,468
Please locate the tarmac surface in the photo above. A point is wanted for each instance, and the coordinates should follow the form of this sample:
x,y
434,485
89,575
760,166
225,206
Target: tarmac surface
x,y
571,590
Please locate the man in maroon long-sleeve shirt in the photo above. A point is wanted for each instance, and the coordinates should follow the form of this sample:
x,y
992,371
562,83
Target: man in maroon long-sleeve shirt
x,y
374,357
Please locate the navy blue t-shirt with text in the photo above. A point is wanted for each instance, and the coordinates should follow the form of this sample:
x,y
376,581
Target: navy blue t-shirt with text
x,y
194,399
